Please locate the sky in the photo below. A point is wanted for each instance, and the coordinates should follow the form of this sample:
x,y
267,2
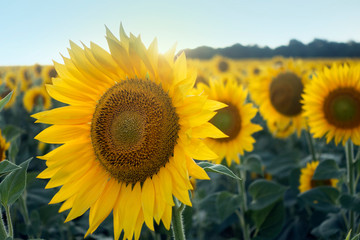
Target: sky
x,y
38,31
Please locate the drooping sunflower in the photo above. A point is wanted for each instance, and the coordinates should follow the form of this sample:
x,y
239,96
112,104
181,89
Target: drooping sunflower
x,y
36,96
306,181
234,120
278,94
3,147
332,104
129,134
37,68
25,78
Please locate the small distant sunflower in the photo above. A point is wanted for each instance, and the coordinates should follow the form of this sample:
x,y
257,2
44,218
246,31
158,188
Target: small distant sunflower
x,y
332,104
233,120
11,80
222,66
306,181
278,94
48,73
3,147
37,68
129,134
25,78
36,97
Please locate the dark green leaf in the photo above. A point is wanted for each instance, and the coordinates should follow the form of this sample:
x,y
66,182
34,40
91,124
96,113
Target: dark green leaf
x,y
11,132
13,184
13,150
322,198
269,220
253,164
333,227
350,202
218,168
5,100
226,204
7,167
265,193
327,169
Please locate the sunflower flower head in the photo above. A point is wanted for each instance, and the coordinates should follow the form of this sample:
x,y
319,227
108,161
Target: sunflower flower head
x,y
130,133
278,91
234,120
4,146
306,178
36,97
332,103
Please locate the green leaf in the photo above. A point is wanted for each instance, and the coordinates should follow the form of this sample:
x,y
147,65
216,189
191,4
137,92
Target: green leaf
x,y
322,198
218,168
327,169
253,164
226,204
350,202
13,184
5,100
333,227
11,132
265,193
7,167
269,220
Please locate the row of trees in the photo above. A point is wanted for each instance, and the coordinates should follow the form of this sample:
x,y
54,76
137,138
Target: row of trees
x,y
318,48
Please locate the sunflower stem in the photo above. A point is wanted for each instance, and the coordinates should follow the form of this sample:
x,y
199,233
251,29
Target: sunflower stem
x,y
3,233
310,142
243,205
177,221
9,223
349,152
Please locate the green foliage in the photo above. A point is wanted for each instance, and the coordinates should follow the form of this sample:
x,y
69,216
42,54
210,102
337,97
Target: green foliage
x,y
322,198
226,204
13,184
350,202
7,167
5,100
327,169
218,168
265,193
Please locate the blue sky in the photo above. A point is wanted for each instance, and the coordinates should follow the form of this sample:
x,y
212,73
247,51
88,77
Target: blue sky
x,y
38,31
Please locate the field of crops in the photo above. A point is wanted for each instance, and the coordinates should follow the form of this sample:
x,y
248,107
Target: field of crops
x,y
121,144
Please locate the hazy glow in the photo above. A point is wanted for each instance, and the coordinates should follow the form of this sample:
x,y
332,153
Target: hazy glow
x,y
37,31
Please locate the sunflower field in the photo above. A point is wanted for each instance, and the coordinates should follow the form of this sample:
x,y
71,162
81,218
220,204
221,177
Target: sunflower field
x,y
128,143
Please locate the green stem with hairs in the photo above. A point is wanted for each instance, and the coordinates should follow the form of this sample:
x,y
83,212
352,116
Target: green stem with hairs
x,y
310,142
349,152
243,205
177,225
3,233
9,223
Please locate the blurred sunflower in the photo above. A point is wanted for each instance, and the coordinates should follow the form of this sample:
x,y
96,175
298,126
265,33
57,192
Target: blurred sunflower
x,y
36,97
11,80
278,94
4,146
129,134
306,181
25,78
48,73
37,68
233,120
222,66
332,104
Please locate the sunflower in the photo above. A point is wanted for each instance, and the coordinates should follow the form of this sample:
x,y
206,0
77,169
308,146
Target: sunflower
x,y
306,181
36,97
332,104
234,120
129,134
278,94
48,73
3,147
25,78
37,68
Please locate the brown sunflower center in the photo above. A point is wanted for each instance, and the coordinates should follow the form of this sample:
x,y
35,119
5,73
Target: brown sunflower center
x,y
228,120
39,100
201,79
342,108
285,94
223,66
52,73
319,183
134,130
